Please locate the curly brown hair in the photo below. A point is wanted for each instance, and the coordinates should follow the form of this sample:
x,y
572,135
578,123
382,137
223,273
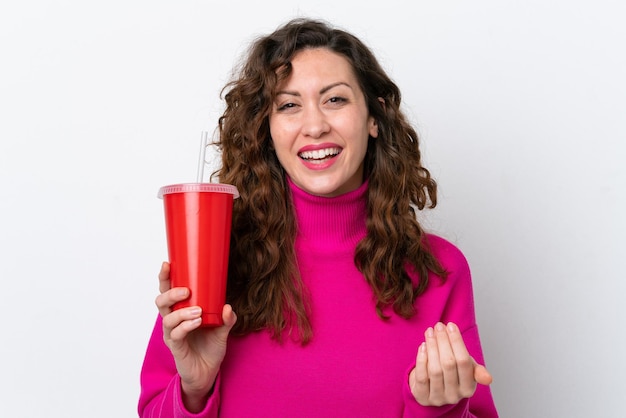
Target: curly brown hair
x,y
264,285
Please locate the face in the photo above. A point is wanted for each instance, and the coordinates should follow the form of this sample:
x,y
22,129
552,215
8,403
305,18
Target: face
x,y
320,124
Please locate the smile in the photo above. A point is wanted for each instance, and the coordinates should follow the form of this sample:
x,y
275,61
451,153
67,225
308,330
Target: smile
x,y
319,155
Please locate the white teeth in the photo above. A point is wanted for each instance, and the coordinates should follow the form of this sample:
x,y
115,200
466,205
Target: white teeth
x,y
319,154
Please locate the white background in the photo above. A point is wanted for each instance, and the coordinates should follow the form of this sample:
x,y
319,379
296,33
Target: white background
x,y
521,109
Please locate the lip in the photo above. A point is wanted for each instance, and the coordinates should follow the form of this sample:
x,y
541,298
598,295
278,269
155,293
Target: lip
x,y
315,147
316,166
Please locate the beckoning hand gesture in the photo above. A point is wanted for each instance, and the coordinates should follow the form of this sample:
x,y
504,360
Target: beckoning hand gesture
x,y
444,372
198,352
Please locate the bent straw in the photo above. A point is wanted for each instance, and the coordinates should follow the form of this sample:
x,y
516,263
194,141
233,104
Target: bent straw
x,y
201,160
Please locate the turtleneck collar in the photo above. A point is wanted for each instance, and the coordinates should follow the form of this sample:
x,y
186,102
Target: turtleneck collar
x,y
330,223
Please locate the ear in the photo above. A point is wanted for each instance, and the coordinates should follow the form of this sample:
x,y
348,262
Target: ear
x,y
373,128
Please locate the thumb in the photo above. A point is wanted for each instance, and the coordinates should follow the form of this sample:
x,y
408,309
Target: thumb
x,y
229,317
482,375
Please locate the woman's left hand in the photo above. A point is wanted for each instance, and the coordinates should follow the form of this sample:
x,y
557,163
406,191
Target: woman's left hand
x,y
444,371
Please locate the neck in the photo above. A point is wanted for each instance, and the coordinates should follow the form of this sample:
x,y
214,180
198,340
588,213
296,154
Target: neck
x,y
330,222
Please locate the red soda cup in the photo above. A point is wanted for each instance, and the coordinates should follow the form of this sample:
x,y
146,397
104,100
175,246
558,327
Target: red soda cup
x,y
198,219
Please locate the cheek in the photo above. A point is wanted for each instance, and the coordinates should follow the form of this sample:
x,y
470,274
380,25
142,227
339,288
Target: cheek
x,y
272,128
281,148
275,137
277,141
278,132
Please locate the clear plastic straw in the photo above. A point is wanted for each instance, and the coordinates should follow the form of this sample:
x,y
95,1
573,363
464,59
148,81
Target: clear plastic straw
x,y
202,159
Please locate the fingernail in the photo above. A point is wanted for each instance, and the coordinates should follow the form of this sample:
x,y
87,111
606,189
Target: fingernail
x,y
439,327
430,332
195,311
181,292
452,327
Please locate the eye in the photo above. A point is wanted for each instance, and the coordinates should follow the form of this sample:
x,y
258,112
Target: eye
x,y
337,100
285,106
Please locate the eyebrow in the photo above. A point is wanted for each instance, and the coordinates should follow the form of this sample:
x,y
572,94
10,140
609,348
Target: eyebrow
x,y
322,91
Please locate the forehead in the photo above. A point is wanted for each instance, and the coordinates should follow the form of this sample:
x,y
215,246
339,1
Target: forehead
x,y
320,64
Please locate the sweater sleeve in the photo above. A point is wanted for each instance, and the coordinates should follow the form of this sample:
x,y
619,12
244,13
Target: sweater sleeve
x,y
161,395
456,299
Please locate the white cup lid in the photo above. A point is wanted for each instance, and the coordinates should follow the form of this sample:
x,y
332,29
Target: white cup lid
x,y
199,187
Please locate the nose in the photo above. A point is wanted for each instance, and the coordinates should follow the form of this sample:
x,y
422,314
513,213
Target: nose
x,y
314,123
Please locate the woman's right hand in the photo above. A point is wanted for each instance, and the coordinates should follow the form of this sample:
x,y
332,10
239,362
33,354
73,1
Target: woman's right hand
x,y
198,352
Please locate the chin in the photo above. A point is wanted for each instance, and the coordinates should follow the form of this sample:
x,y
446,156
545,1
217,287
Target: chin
x,y
319,189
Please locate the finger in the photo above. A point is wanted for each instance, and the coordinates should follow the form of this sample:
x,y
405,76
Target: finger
x,y
180,323
482,375
419,382
164,277
448,362
435,372
166,300
464,362
228,316
177,317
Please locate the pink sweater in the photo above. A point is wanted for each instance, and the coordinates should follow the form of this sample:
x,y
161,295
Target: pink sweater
x,y
356,365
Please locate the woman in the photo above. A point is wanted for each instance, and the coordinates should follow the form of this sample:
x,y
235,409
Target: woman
x,y
344,306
